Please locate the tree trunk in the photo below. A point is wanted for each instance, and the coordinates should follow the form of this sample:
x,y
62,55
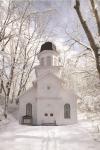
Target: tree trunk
x,y
6,107
89,35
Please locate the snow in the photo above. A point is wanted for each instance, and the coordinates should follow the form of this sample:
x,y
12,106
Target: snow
x,y
72,137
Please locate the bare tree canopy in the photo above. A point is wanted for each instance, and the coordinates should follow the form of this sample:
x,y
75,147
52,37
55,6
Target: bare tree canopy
x,y
22,30
94,44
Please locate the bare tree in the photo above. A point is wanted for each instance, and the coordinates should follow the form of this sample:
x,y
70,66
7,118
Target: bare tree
x,y
21,33
95,45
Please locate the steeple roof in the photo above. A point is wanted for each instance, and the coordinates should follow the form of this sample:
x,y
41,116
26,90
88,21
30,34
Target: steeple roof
x,y
48,46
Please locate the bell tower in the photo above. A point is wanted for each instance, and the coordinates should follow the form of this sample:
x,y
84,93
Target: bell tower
x,y
48,60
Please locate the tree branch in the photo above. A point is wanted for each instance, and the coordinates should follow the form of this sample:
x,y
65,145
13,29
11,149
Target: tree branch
x,y
97,17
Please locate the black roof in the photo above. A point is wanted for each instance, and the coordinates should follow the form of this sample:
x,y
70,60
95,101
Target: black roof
x,y
48,46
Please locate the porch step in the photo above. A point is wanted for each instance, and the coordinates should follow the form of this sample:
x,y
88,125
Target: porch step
x,y
49,124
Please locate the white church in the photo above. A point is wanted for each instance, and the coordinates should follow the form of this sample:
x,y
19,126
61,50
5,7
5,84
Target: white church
x,y
48,101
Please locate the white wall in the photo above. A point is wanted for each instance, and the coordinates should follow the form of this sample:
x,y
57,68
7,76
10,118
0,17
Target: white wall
x,y
28,97
50,104
56,106
68,97
56,97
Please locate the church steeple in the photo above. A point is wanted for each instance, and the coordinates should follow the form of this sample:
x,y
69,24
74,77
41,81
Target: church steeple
x,y
48,55
48,60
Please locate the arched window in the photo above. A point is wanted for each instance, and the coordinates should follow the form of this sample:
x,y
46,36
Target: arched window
x,y
42,61
29,109
67,111
48,61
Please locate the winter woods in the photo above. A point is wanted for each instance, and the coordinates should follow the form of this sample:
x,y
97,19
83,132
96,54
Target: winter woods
x,y
94,43
21,32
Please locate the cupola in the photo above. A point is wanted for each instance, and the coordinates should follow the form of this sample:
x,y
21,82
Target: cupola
x,y
48,55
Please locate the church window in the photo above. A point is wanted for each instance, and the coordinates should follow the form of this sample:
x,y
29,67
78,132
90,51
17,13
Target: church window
x,y
46,114
48,61
67,111
29,109
42,61
51,114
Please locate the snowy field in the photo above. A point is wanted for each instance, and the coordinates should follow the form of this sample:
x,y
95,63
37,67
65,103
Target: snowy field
x,y
72,137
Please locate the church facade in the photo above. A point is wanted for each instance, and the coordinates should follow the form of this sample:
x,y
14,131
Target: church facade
x,y
48,101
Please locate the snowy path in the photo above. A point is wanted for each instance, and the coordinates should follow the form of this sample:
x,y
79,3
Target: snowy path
x,y
72,137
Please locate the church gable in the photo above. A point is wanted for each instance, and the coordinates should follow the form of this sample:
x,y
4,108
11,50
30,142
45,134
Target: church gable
x,y
49,86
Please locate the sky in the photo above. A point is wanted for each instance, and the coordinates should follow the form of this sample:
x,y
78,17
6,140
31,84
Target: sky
x,y
63,18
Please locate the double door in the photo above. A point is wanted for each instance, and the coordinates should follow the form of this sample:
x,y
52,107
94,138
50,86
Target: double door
x,y
49,116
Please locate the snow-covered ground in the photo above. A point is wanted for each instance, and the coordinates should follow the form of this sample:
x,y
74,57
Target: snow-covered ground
x,y
72,137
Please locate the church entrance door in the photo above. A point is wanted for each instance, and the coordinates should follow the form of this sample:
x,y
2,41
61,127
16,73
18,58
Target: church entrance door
x,y
49,119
